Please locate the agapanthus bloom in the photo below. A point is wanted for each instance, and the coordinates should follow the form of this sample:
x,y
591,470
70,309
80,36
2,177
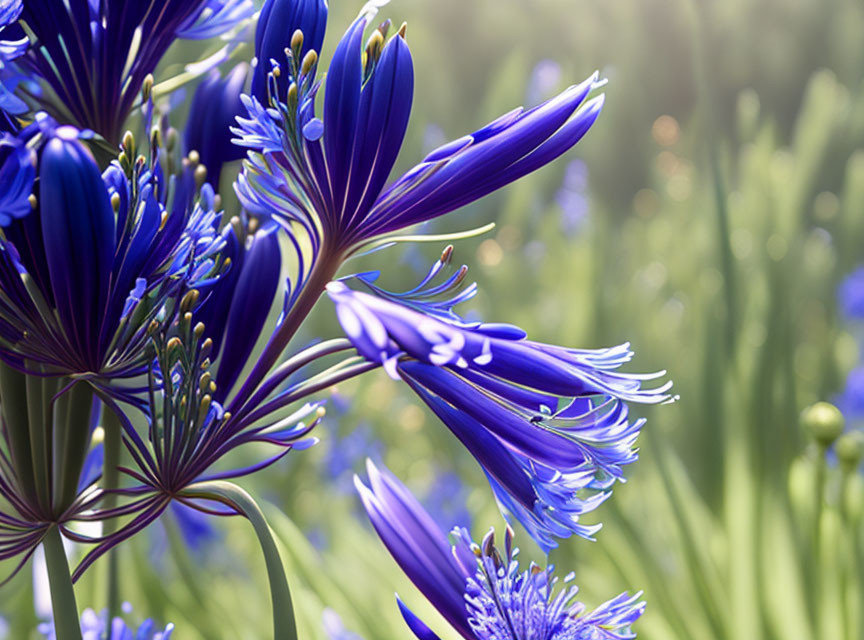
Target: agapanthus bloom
x,y
95,56
480,589
548,424
329,174
96,626
9,51
96,260
188,433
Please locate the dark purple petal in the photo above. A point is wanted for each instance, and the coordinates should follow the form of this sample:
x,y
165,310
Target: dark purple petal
x,y
78,231
416,624
385,107
416,542
341,106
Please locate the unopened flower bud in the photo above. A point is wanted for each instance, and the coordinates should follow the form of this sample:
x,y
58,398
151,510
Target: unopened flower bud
x,y
824,422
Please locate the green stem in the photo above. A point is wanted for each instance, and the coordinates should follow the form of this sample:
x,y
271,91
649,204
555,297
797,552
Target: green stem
x,y
284,625
65,610
111,480
816,553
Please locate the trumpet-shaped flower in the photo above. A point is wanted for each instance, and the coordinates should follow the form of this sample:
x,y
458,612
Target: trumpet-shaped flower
x,y
95,261
548,424
95,56
481,590
330,173
9,51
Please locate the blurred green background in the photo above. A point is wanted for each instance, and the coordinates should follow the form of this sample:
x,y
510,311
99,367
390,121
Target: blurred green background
x,y
707,218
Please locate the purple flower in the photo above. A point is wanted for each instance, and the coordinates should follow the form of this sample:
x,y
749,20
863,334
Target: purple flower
x,y
330,173
548,424
850,294
572,197
95,56
481,590
93,264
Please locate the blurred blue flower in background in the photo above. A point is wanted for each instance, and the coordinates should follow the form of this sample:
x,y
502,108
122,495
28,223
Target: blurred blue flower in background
x,y
480,589
335,628
544,81
850,294
572,197
346,453
446,499
851,400
96,627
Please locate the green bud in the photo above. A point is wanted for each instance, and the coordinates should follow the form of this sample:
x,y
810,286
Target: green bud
x,y
850,449
823,422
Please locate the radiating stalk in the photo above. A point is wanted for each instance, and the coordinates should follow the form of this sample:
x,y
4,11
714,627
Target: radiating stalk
x,y
284,624
111,480
323,271
64,608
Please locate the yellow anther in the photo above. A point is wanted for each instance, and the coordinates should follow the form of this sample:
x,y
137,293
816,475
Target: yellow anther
x,y
297,39
200,175
309,61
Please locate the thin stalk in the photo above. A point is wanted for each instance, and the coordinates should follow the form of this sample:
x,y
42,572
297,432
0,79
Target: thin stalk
x,y
111,480
63,605
323,271
284,625
816,551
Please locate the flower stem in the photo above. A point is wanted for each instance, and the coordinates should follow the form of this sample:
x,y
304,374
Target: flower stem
x,y
323,271
65,610
111,480
284,625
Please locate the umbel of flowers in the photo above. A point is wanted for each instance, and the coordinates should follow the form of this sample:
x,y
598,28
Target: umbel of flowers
x,y
146,333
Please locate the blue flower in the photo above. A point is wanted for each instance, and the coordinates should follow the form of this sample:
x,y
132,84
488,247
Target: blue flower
x,y
17,174
850,294
330,174
215,106
96,627
346,453
549,425
335,628
851,400
572,197
479,589
96,261
188,431
95,56
10,10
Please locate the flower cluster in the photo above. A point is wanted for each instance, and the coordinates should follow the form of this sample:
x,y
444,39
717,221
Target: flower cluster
x,y
148,329
479,589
